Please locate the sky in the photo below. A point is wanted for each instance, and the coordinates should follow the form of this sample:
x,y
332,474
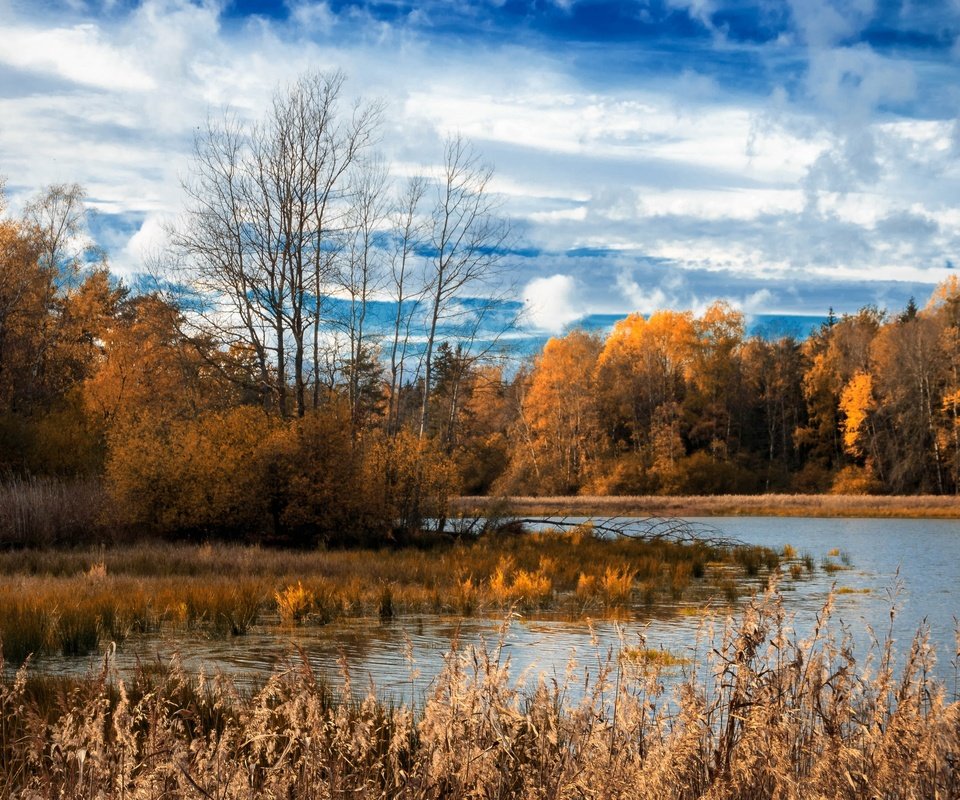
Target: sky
x,y
788,156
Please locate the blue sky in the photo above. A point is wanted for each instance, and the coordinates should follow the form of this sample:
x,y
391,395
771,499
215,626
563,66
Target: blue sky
x,y
787,156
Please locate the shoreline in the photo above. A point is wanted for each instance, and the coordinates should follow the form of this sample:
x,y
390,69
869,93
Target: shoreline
x,y
763,505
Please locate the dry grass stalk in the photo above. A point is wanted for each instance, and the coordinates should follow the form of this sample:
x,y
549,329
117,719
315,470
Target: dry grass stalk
x,y
766,717
47,511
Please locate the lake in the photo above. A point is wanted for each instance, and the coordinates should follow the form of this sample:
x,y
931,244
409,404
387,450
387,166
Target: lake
x,y
912,565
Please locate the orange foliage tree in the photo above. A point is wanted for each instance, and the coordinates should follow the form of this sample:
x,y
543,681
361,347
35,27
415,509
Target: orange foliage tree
x,y
557,436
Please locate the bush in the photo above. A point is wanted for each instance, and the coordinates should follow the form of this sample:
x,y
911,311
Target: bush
x,y
304,481
317,486
856,480
700,473
203,475
414,481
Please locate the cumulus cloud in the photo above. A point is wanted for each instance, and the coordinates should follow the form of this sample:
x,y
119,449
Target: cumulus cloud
x,y
142,247
551,304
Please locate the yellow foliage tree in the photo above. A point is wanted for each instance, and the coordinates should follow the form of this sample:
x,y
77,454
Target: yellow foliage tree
x,y
205,474
557,435
413,479
856,404
643,366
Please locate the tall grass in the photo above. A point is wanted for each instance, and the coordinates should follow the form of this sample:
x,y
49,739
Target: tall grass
x,y
69,601
787,505
766,716
47,511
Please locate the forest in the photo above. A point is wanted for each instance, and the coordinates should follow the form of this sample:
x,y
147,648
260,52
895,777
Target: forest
x,y
260,389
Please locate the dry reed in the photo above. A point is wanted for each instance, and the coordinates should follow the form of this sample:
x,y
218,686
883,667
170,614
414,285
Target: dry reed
x,y
775,505
766,716
47,511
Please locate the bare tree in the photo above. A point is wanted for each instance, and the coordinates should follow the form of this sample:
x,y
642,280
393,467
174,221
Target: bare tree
x,y
215,260
468,241
407,285
59,217
361,275
266,216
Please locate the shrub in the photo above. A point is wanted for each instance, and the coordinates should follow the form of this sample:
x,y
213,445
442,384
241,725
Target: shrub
x,y
856,480
317,487
204,474
414,481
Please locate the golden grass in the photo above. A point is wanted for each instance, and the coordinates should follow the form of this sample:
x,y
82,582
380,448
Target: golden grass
x,y
767,716
774,505
70,601
294,603
650,658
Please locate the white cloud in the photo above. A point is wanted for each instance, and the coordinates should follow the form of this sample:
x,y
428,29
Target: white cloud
x,y
757,302
701,10
680,168
550,304
644,300
577,214
77,54
147,243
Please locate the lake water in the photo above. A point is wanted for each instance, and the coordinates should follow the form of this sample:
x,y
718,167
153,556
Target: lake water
x,y
911,565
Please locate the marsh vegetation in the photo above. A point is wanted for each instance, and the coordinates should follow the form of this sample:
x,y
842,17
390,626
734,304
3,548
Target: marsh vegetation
x,y
72,601
764,716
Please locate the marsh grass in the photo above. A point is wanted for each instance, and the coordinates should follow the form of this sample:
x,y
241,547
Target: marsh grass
x,y
787,505
72,601
294,603
766,715
653,658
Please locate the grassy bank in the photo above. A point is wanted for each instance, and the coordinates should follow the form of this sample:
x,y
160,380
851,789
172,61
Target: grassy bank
x,y
773,505
765,717
71,601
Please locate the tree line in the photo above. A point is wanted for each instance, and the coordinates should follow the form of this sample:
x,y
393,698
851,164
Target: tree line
x,y
252,389
676,403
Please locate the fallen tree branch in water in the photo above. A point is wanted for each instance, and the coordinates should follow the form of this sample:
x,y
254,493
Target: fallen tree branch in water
x,y
646,529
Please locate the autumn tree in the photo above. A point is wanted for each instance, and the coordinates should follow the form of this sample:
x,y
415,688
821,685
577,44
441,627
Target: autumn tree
x,y
944,306
49,322
644,365
557,433
831,357
773,385
907,361
714,403
203,475
486,416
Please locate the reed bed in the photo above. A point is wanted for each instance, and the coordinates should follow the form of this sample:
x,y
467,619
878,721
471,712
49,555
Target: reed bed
x,y
72,601
774,505
42,512
764,715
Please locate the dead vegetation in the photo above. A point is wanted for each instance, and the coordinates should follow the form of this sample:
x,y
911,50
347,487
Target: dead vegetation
x,y
765,715
721,505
